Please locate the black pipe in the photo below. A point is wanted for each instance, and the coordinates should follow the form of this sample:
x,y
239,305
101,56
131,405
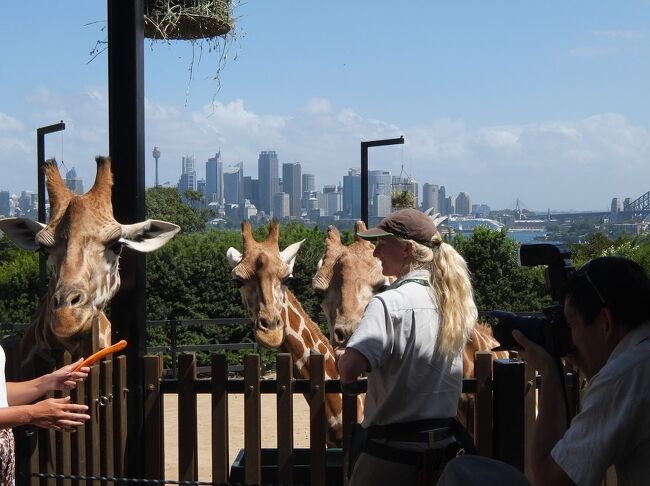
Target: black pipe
x,y
364,170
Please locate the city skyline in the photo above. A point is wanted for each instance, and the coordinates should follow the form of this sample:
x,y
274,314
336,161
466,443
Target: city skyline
x,y
190,178
541,102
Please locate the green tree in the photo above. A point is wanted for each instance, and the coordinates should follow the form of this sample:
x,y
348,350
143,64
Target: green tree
x,y
18,284
593,247
498,280
166,204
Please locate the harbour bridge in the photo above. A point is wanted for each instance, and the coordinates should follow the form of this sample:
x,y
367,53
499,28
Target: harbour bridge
x,y
633,210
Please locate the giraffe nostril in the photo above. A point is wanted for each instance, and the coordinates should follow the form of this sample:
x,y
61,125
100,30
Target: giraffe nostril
x,y
340,336
263,324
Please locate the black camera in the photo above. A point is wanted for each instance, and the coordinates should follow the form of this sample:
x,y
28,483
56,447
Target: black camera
x,y
550,329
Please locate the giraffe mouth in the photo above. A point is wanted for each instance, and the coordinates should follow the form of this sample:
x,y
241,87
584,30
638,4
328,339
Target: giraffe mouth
x,y
69,323
269,338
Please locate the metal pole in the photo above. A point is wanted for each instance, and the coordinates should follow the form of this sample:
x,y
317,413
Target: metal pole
x,y
40,161
364,170
126,147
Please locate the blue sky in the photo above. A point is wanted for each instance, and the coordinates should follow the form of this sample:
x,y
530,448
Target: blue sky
x,y
546,102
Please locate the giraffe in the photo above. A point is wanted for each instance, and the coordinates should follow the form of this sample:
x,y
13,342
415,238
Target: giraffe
x,y
82,242
279,321
349,276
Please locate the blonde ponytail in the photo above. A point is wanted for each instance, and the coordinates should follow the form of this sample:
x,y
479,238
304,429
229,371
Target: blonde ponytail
x,y
452,289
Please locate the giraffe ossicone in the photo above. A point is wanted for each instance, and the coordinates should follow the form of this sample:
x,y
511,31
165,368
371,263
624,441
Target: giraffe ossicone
x,y
83,242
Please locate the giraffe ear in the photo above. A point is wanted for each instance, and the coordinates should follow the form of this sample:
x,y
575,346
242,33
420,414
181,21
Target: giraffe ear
x,y
22,231
319,265
289,253
234,257
148,235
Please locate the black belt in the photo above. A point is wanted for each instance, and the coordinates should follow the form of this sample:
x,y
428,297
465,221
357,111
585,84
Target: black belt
x,y
431,458
427,431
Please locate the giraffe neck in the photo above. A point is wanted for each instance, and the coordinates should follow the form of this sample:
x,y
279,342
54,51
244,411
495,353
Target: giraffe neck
x,y
302,336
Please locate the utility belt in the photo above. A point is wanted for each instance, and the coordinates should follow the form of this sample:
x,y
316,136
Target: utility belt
x,y
427,431
429,462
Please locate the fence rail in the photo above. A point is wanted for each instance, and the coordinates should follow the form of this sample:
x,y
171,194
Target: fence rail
x,y
97,449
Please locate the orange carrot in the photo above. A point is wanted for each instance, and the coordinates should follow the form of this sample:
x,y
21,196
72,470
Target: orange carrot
x,y
102,353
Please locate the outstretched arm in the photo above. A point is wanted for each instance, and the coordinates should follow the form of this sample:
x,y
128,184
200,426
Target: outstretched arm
x,y
24,392
53,413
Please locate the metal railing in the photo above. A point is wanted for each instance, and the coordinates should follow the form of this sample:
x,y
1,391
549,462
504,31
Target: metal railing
x,y
173,348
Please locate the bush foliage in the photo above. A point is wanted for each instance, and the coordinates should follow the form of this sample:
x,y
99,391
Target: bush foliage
x,y
189,278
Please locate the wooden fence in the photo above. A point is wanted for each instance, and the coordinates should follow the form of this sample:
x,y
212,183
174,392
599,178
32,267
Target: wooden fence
x,y
96,449
504,411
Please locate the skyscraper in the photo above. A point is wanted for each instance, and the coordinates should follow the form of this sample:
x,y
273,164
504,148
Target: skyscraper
x,y
308,188
187,180
379,183
291,185
233,179
214,179
442,202
430,199
5,204
352,194
281,205
463,204
74,183
267,174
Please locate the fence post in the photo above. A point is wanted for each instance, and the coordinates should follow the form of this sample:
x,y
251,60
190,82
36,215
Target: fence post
x,y
220,459
284,369
188,468
106,400
509,388
154,458
483,411
93,445
121,415
173,342
317,420
350,411
252,420
530,415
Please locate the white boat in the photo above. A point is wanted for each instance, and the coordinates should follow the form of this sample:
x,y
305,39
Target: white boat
x,y
468,224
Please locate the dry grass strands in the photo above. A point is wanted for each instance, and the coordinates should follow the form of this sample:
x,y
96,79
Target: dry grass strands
x,y
187,19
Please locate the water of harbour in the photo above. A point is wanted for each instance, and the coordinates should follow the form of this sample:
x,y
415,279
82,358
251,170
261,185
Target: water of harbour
x,y
523,236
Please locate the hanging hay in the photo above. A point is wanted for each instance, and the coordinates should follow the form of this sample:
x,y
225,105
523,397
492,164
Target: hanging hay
x,y
187,19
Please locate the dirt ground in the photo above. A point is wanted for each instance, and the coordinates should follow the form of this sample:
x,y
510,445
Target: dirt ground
x,y
235,429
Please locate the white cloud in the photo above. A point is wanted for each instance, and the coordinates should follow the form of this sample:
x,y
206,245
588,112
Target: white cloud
x,y
10,124
579,164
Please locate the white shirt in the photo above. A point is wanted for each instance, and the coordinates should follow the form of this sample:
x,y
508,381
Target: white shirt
x,y
613,426
3,381
408,380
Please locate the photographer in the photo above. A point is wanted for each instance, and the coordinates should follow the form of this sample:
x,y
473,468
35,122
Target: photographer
x,y
607,307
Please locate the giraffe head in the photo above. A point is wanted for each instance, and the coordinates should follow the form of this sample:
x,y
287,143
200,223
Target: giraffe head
x,y
261,272
347,278
83,242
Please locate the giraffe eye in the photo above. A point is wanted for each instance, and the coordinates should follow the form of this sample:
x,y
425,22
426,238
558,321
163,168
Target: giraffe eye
x,y
286,279
116,247
238,282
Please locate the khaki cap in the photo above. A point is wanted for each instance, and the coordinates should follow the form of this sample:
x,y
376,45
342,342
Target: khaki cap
x,y
409,224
